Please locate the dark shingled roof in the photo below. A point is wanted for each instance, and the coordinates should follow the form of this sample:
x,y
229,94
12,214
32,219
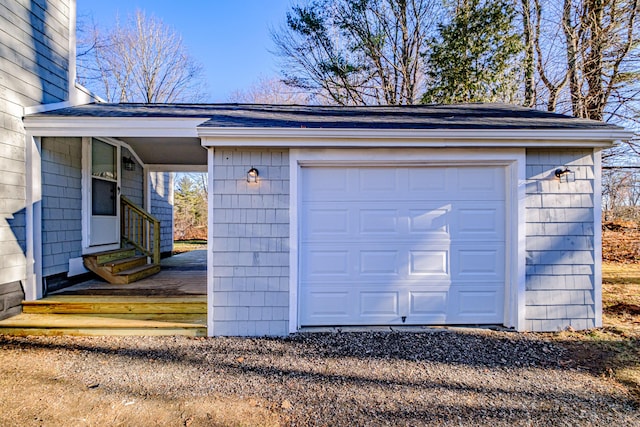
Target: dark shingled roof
x,y
459,116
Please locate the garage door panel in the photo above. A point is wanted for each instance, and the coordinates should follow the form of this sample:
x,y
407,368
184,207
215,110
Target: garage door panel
x,y
327,221
480,183
481,263
379,244
434,262
376,221
323,183
428,220
375,304
379,262
479,222
431,180
322,263
377,181
326,306
428,303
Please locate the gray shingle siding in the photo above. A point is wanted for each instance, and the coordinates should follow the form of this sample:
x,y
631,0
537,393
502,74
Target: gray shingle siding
x,y
560,241
61,203
162,207
132,182
34,51
250,243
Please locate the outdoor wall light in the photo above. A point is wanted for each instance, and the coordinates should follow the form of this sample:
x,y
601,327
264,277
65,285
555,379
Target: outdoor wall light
x,y
564,174
128,164
252,175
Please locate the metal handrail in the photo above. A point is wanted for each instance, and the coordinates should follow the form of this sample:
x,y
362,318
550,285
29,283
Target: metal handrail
x,y
136,227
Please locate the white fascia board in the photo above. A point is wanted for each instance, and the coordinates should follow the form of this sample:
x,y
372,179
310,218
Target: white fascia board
x,y
290,137
157,127
177,168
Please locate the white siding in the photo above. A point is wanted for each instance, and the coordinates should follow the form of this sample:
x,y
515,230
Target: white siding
x,y
560,239
250,243
34,51
61,203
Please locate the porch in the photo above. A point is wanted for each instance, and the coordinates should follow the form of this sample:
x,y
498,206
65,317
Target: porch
x,y
172,302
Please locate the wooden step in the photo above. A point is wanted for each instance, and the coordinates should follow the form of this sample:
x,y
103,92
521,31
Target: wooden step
x,y
70,324
122,277
138,273
114,255
125,263
116,305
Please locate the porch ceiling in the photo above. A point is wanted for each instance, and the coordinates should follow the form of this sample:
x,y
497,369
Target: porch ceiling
x,y
169,151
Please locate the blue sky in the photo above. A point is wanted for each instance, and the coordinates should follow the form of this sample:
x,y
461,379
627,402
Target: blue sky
x,y
230,38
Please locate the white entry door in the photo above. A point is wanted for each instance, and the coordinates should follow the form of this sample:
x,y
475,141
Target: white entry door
x,y
104,227
402,245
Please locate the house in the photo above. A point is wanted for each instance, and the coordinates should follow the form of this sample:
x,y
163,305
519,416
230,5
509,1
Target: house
x,y
333,216
37,72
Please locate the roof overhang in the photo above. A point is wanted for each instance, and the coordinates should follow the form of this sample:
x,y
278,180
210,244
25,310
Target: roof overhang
x,y
446,138
115,127
191,127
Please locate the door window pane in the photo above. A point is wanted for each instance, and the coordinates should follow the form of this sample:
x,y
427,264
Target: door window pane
x,y
103,197
103,160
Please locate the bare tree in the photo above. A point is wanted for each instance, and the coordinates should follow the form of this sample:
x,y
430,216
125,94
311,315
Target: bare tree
x,y
587,54
358,51
142,60
270,90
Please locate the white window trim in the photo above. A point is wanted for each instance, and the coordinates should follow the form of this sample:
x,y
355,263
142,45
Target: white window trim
x,y
514,161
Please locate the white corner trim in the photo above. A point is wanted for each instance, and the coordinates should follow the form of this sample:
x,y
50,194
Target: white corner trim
x,y
597,237
34,286
518,230
514,161
295,157
210,268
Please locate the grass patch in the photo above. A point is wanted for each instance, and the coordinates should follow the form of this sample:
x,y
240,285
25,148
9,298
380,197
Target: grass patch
x,y
181,246
613,350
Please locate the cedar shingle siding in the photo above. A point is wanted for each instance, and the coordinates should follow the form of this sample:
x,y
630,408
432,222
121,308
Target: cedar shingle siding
x,y
61,203
560,239
34,51
250,243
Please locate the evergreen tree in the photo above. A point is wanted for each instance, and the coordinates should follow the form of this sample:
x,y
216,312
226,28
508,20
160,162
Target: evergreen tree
x,y
472,59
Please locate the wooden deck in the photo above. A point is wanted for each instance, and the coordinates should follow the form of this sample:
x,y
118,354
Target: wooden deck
x,y
172,302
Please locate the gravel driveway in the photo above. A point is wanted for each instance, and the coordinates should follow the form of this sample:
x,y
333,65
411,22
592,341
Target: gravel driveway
x,y
440,377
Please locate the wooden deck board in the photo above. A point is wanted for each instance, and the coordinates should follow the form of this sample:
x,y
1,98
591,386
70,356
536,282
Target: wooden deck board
x,y
37,320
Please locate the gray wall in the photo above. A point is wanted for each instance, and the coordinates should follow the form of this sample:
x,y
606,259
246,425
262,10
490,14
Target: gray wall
x,y
162,207
61,203
250,243
560,238
132,182
34,51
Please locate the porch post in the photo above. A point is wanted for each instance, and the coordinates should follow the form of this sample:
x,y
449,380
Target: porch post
x,y
33,287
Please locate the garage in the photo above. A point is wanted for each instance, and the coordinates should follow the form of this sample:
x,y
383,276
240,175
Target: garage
x,y
402,244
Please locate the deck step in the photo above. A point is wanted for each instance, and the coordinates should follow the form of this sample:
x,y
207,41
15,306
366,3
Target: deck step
x,y
120,266
116,305
109,315
113,255
125,263
69,324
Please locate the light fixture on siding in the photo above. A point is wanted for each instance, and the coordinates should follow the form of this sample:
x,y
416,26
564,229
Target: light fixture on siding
x,y
128,164
565,174
252,175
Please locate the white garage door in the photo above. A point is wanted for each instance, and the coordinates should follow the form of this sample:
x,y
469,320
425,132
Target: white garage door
x,y
402,245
